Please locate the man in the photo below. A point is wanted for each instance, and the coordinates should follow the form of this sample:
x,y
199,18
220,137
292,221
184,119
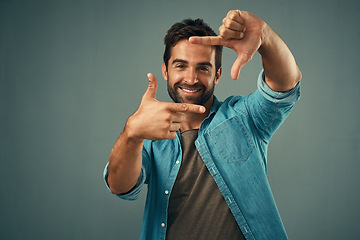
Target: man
x,y
204,161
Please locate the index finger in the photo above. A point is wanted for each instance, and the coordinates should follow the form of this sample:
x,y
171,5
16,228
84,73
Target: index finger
x,y
186,107
207,40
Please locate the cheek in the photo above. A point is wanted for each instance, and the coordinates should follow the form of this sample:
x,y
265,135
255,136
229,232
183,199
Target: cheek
x,y
210,81
174,77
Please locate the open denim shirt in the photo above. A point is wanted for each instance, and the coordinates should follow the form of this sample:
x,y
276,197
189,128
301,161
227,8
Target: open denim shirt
x,y
232,142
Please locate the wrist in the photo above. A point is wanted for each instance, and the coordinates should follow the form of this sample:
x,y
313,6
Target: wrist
x,y
131,132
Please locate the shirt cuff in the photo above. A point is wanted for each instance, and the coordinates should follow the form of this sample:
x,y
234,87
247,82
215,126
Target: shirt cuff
x,y
134,192
290,96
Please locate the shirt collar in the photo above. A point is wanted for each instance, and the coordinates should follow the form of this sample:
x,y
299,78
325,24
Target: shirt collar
x,y
215,106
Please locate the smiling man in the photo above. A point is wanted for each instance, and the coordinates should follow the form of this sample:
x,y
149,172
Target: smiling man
x,y
204,161
191,75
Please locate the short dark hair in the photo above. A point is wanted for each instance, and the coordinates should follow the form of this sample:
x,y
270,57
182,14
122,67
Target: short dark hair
x,y
186,29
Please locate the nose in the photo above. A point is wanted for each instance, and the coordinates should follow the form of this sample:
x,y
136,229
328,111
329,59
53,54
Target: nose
x,y
191,77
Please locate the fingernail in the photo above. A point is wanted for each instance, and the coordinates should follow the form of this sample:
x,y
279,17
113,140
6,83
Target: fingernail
x,y
242,35
202,109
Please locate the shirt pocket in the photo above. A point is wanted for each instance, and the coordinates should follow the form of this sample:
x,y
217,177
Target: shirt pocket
x,y
231,140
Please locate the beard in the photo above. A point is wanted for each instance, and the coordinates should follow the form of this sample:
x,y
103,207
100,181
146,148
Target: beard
x,y
175,95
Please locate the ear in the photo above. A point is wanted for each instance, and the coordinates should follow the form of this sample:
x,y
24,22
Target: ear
x,y
164,71
218,75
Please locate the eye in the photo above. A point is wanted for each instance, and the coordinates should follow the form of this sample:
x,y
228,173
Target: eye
x,y
180,66
204,69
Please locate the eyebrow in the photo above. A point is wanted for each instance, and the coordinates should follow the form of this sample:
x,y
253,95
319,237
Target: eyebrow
x,y
177,60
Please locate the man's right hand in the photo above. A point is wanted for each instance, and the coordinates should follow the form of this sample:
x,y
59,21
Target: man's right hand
x,y
156,120
153,120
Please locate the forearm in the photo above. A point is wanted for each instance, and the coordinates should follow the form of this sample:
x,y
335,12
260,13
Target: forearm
x,y
281,70
125,163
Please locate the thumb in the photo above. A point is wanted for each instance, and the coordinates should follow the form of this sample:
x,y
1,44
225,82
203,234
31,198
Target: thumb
x,y
152,87
241,60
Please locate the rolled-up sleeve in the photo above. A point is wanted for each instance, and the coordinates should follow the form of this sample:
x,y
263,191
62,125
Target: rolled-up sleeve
x,y
268,109
290,96
134,192
143,177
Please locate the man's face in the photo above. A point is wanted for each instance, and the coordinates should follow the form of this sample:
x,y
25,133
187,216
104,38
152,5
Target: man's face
x,y
191,75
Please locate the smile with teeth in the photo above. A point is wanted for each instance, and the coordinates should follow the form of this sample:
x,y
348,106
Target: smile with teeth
x,y
190,90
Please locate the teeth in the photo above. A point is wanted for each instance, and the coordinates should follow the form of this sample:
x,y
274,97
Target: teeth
x,y
190,91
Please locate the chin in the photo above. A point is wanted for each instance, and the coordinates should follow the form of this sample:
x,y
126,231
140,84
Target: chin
x,y
191,101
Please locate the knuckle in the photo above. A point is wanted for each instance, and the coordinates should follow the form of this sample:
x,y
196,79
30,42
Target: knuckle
x,y
167,116
232,15
166,126
180,117
221,30
184,106
230,12
228,23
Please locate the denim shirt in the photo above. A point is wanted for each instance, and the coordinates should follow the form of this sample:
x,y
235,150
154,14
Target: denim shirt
x,y
232,142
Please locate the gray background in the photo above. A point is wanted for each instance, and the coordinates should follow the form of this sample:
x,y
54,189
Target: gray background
x,y
72,72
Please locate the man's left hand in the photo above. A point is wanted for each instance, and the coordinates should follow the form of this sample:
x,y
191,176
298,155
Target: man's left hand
x,y
241,31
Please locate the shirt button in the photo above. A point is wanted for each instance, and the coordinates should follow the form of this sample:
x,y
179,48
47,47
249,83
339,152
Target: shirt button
x,y
162,224
177,162
166,192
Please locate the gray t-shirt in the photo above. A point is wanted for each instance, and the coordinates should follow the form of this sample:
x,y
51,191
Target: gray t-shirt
x,y
197,210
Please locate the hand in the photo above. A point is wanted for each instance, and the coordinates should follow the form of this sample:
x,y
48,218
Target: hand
x,y
156,120
241,31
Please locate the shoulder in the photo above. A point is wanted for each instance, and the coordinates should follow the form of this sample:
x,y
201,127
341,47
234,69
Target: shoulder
x,y
233,104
